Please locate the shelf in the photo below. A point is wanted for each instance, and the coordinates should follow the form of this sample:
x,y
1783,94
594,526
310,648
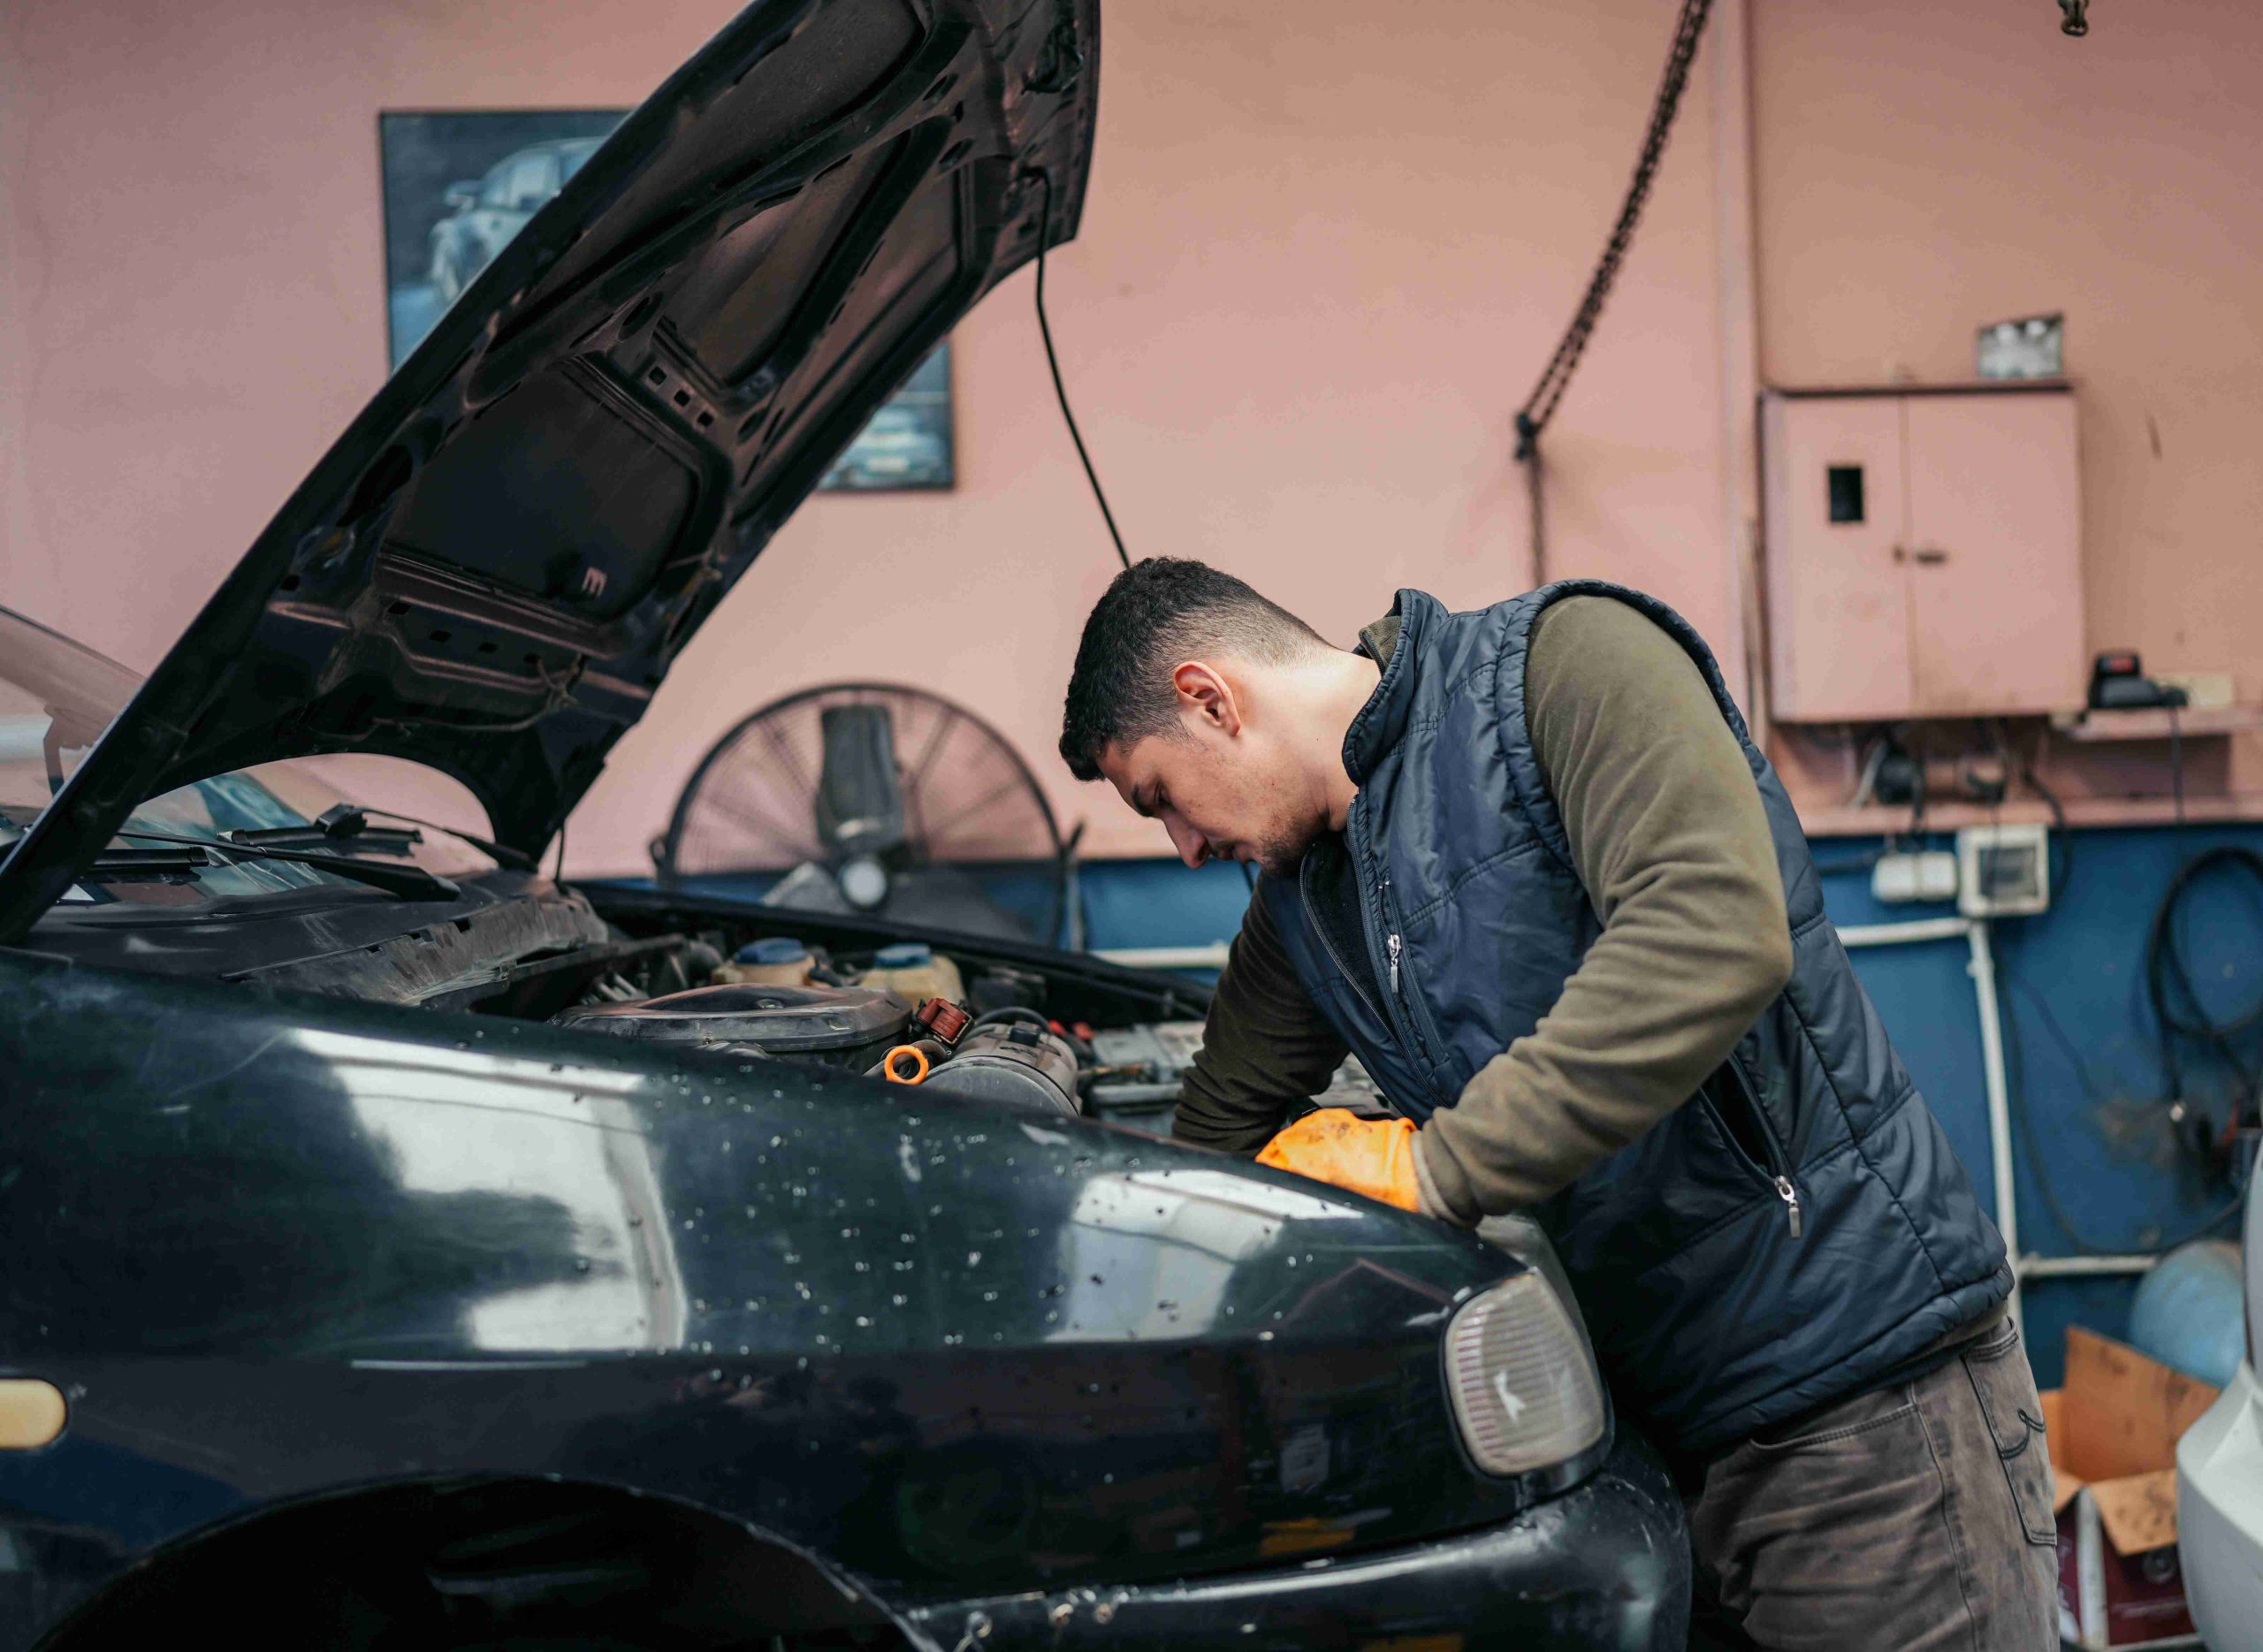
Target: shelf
x,y
2159,722
1880,820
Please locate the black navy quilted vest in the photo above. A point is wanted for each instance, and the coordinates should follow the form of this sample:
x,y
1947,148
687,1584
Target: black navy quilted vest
x,y
1726,1289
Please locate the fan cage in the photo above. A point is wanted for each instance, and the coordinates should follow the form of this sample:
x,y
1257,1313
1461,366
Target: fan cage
x,y
1022,867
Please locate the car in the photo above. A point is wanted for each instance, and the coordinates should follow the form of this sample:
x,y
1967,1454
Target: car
x,y
2220,1483
484,213
408,1247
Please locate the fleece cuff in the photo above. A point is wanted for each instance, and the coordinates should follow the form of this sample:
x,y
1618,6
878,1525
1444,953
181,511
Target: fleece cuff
x,y
1434,1201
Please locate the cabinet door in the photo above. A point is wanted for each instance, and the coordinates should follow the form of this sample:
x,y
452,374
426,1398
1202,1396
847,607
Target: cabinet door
x,y
1995,553
1838,598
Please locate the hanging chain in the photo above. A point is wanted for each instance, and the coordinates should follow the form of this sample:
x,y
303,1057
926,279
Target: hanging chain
x,y
1540,407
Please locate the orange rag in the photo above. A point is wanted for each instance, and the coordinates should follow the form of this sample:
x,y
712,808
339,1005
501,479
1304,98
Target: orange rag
x,y
1375,1156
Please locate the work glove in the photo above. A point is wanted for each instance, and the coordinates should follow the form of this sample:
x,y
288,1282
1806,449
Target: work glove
x,y
1370,1156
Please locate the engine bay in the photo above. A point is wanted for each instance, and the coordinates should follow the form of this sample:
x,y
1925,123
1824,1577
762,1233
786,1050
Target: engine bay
x,y
1020,1026
1006,1034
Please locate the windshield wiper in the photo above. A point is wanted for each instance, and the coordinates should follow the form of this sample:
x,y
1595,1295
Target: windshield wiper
x,y
349,825
376,841
145,863
410,883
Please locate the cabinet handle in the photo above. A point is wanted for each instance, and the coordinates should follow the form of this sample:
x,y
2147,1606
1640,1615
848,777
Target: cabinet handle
x,y
1931,554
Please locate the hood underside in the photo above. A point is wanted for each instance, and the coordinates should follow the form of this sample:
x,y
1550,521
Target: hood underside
x,y
490,571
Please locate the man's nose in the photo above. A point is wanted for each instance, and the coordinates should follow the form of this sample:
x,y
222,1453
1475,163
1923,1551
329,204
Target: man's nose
x,y
1188,842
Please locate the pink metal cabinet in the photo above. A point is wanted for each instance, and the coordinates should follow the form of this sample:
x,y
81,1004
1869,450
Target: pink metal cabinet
x,y
1838,598
1922,554
1995,553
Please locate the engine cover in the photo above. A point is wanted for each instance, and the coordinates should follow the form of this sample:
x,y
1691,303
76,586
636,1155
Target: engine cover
x,y
847,1027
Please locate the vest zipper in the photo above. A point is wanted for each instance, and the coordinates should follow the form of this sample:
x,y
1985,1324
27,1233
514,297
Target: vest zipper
x,y
1396,1014
1328,945
1777,1171
1790,1195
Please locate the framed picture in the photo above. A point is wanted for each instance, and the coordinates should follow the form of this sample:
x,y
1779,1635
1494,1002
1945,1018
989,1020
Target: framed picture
x,y
458,184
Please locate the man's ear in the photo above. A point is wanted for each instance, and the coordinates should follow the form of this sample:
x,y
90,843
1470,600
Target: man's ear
x,y
1204,693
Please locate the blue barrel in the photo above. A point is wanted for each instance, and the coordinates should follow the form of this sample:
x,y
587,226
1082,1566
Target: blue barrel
x,y
2191,1312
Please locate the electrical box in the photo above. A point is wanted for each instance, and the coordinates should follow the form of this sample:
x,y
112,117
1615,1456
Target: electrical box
x,y
1924,552
2003,871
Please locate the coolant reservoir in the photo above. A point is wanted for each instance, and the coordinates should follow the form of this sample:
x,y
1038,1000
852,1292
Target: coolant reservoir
x,y
914,972
774,961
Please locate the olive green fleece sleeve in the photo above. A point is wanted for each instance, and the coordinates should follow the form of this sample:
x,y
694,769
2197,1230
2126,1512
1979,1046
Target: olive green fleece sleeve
x,y
1669,840
1265,1046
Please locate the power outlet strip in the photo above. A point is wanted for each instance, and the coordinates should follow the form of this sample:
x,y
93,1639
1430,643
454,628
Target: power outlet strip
x,y
1929,875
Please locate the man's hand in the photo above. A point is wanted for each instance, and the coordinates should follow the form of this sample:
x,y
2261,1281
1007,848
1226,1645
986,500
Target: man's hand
x,y
1370,1156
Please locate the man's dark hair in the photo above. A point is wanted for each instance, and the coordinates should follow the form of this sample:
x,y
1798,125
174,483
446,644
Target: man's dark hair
x,y
1153,615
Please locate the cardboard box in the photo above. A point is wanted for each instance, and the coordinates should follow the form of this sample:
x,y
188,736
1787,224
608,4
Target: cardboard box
x,y
2112,1431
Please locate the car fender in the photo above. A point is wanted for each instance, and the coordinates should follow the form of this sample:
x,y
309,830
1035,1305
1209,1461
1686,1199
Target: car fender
x,y
270,1246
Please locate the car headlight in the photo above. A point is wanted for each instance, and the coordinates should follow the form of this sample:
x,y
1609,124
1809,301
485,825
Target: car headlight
x,y
1526,1392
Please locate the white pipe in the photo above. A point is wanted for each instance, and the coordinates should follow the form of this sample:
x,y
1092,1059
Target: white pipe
x,y
2034,1266
2000,1107
1894,934
1210,957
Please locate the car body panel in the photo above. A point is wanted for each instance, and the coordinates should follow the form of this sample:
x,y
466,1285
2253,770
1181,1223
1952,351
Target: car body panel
x,y
310,1269
489,572
1606,1565
270,1246
2219,1481
2219,1513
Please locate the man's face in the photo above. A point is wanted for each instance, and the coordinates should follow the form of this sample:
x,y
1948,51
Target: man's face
x,y
1220,797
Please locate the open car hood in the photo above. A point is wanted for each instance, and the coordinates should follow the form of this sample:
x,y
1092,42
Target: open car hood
x,y
489,572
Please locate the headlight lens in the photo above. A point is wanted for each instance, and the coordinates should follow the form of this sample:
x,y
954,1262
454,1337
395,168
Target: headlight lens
x,y
1525,1387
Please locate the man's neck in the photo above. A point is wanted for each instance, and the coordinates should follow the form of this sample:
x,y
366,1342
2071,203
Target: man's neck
x,y
1343,684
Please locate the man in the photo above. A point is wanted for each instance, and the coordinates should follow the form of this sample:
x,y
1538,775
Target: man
x,y
1527,863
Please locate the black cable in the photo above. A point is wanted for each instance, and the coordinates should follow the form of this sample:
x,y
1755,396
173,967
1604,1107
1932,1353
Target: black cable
x,y
2176,1004
1059,390
1011,1012
1540,407
2065,874
2176,763
2016,1090
558,866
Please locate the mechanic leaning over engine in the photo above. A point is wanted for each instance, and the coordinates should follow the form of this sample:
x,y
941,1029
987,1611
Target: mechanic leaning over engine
x,y
1527,863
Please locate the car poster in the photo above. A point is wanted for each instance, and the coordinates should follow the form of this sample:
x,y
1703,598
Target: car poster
x,y
458,184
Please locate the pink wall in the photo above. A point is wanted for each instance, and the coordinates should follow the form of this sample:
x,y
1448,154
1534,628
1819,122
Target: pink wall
x,y
1925,167
1318,270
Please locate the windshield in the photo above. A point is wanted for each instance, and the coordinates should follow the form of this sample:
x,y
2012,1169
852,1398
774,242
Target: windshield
x,y
56,699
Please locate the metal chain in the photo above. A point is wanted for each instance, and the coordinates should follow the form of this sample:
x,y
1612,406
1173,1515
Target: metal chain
x,y
1540,406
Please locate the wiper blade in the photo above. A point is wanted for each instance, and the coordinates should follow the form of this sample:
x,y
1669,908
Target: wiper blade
x,y
502,854
130,863
350,823
410,883
374,839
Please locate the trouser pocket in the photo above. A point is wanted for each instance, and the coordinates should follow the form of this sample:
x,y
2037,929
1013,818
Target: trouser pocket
x,y
2004,1388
